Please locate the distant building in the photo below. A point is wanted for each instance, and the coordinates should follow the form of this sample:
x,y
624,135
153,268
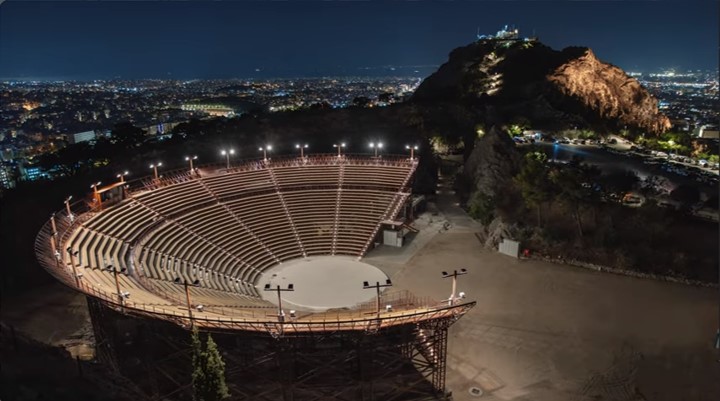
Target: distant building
x,y
31,173
505,34
7,176
709,131
84,136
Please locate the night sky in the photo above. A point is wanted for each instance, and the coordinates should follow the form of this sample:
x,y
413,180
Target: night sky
x,y
98,40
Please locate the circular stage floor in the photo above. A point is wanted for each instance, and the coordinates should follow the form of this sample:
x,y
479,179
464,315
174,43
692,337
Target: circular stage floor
x,y
321,282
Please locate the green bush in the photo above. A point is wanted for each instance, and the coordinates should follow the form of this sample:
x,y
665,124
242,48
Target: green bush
x,y
482,207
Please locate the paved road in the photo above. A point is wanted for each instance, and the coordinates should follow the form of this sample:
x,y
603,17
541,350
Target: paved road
x,y
543,331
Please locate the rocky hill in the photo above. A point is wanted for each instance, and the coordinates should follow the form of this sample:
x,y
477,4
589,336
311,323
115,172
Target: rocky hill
x,y
507,80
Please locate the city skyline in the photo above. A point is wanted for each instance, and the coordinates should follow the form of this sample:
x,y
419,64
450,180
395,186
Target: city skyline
x,y
106,40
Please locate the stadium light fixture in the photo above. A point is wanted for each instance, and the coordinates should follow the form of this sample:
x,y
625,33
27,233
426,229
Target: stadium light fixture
x,y
190,159
377,286
122,175
155,166
454,274
186,284
227,153
376,146
290,287
412,149
95,186
265,149
339,147
67,208
115,272
302,149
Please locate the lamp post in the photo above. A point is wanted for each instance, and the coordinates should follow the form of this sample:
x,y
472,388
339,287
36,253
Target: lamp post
x,y
454,275
115,272
302,148
339,147
377,287
72,263
377,146
122,175
290,287
155,166
94,187
227,154
67,208
190,159
265,149
412,149
186,285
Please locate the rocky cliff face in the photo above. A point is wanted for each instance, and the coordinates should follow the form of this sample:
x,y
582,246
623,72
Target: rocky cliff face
x,y
492,163
553,89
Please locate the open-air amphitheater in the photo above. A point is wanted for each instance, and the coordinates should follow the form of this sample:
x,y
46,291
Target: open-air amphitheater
x,y
217,247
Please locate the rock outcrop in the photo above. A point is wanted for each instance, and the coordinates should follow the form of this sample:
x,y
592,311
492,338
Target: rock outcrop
x,y
492,163
553,89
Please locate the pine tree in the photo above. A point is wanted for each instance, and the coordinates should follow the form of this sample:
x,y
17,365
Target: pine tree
x,y
214,373
208,378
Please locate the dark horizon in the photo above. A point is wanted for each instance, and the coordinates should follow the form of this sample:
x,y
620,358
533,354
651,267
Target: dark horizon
x,y
224,40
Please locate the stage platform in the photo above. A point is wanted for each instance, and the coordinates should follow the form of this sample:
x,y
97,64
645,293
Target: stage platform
x,y
322,282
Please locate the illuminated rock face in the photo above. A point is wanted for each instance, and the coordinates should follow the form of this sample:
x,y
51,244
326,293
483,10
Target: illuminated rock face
x,y
608,91
553,89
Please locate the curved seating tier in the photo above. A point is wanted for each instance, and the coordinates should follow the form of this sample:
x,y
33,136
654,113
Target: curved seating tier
x,y
226,228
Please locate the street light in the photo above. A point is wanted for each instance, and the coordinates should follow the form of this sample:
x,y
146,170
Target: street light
x,y
122,175
377,287
227,154
115,272
290,287
186,284
155,166
454,275
412,149
67,207
302,148
265,149
339,147
376,146
190,159
94,187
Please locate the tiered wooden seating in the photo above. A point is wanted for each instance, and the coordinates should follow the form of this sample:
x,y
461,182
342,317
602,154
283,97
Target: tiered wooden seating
x,y
376,174
266,217
175,199
361,211
226,229
237,183
313,212
307,176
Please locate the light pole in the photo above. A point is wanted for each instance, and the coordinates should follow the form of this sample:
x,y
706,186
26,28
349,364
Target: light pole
x,y
377,287
454,275
190,159
72,263
94,187
302,149
67,208
115,272
412,149
376,146
265,149
122,175
339,147
227,154
290,287
186,284
155,166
